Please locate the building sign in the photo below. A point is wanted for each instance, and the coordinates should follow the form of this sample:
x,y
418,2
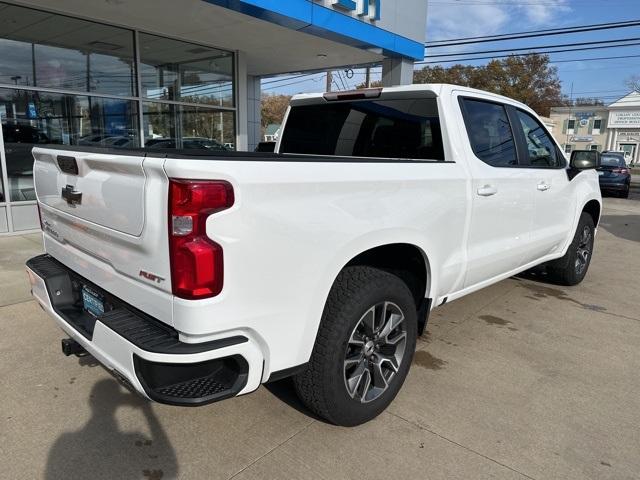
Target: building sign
x,y
624,119
577,138
629,136
584,115
364,8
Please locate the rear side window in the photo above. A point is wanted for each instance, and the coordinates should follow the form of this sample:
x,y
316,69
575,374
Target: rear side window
x,y
542,151
401,129
490,133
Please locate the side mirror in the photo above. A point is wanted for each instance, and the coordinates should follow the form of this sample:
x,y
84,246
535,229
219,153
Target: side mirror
x,y
585,159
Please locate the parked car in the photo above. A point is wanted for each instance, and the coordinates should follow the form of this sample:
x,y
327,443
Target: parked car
x,y
614,174
188,143
215,272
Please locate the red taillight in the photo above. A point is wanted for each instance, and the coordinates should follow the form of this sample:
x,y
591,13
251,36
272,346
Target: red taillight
x,y
196,260
620,170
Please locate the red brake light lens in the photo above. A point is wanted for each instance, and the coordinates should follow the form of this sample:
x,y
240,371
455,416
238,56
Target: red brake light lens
x,y
620,170
196,261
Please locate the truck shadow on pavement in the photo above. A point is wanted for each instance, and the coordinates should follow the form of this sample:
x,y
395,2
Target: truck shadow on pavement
x,y
284,391
102,450
626,227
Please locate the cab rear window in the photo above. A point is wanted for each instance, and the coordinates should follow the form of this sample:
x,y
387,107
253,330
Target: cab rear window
x,y
397,129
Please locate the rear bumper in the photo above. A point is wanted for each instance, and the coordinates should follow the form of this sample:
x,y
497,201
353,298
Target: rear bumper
x,y
621,184
143,351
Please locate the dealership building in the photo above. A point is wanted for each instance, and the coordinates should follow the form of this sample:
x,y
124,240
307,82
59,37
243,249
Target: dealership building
x,y
612,127
171,74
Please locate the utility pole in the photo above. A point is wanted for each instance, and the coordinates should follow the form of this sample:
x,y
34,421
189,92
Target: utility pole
x,y
570,115
367,78
329,80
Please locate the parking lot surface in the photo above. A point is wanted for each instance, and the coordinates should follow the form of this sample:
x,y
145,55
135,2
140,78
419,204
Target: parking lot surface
x,y
521,380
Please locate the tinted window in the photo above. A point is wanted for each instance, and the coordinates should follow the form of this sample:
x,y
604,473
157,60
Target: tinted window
x,y
542,150
612,161
490,133
372,128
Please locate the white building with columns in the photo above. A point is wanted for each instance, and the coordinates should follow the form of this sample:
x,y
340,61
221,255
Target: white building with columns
x,y
615,127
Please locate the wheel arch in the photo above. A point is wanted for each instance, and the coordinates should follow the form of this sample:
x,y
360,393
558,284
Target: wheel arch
x,y
594,209
406,260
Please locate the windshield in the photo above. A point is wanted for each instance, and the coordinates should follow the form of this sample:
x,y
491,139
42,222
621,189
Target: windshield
x,y
404,128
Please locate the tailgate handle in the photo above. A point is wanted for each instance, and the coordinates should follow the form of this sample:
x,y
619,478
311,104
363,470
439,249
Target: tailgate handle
x,y
68,164
71,195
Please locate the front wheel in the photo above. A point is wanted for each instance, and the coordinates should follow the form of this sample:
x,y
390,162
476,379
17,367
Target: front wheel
x,y
363,349
572,268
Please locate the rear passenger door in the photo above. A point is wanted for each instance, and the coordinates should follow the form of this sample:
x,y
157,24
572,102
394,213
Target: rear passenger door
x,y
554,198
502,205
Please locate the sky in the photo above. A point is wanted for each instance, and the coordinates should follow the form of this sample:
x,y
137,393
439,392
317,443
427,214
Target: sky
x,y
467,18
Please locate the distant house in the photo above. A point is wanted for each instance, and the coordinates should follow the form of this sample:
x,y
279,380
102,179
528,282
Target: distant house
x,y
272,132
601,127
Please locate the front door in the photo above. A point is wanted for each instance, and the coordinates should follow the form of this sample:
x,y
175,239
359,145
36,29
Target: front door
x,y
629,150
554,200
502,206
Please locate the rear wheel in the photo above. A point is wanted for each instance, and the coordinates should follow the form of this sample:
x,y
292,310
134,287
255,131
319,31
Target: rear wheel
x,y
572,268
625,192
364,347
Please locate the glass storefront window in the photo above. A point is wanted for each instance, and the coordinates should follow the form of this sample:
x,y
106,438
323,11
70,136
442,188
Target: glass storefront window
x,y
54,51
69,81
31,117
184,126
181,71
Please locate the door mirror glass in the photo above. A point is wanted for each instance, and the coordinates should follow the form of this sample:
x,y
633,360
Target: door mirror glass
x,y
585,159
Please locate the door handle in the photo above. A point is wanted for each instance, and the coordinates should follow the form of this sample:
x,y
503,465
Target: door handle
x,y
487,190
543,186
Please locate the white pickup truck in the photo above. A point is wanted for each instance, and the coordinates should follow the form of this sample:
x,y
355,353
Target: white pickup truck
x,y
196,276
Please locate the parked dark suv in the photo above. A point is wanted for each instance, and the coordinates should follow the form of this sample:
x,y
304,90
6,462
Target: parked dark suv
x,y
615,176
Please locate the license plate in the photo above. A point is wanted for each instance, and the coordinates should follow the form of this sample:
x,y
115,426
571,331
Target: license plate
x,y
92,302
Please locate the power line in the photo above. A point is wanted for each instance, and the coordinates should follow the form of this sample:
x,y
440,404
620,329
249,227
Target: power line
x,y
532,33
520,49
531,53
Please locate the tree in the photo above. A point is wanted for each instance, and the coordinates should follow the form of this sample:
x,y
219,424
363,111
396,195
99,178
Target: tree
x,y
588,102
273,109
634,83
374,84
526,78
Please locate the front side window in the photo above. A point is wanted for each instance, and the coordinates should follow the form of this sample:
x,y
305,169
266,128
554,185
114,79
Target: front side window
x,y
541,149
403,128
490,133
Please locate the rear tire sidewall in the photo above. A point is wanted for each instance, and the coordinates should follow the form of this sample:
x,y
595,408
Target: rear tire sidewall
x,y
346,410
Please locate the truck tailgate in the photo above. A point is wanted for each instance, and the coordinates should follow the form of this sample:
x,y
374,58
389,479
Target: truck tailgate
x,y
109,188
95,209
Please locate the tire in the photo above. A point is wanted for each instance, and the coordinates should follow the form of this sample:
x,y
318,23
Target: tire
x,y
625,192
334,384
572,268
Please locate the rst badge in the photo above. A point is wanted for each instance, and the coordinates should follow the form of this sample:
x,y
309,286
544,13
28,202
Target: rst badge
x,y
151,276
